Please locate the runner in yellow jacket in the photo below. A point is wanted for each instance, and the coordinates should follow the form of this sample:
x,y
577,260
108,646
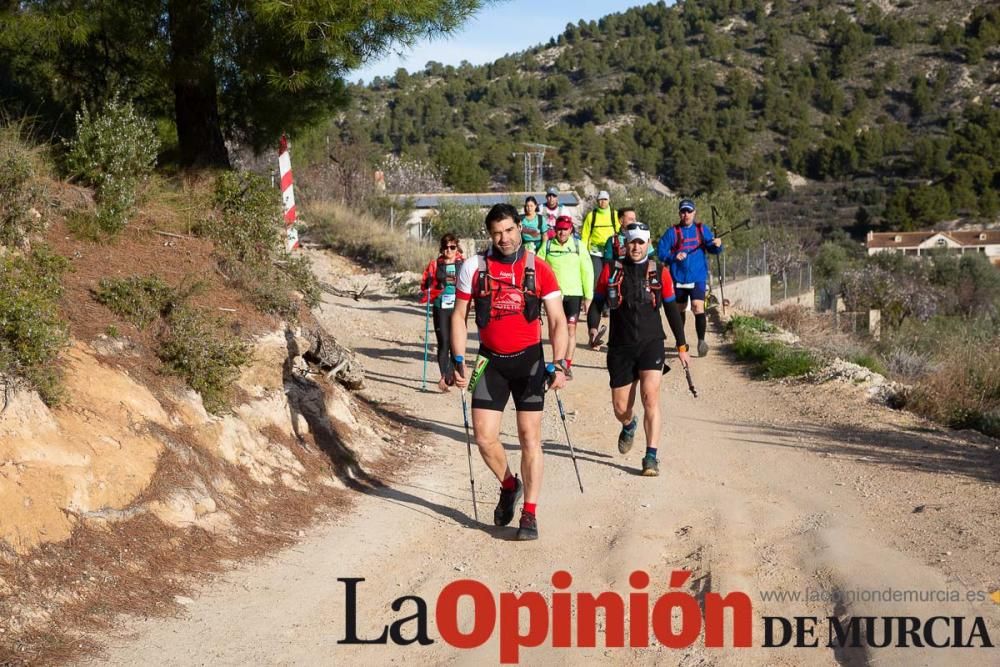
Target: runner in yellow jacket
x,y
599,225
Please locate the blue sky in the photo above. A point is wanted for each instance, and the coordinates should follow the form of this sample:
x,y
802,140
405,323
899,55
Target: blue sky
x,y
501,28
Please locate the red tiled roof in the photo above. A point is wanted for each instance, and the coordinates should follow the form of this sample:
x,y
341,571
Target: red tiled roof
x,y
914,239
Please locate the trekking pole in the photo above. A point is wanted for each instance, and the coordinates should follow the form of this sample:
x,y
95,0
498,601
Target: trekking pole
x,y
562,414
427,331
718,269
468,450
687,374
746,223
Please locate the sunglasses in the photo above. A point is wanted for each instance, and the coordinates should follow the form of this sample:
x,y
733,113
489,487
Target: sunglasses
x,y
687,210
451,247
638,225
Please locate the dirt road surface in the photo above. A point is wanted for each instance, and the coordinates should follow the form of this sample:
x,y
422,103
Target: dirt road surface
x,y
764,487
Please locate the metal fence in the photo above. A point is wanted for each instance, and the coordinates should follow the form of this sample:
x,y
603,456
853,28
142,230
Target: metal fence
x,y
791,282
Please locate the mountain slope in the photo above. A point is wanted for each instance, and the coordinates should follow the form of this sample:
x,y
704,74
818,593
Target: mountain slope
x,y
889,106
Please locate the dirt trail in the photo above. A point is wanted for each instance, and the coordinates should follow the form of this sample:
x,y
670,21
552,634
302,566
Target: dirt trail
x,y
763,487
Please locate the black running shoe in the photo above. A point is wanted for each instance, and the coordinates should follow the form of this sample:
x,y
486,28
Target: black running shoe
x,y
650,466
528,529
504,513
627,436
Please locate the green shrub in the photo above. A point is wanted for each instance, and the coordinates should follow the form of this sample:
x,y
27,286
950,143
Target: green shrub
x,y
31,331
770,359
197,348
249,237
789,362
113,150
463,220
19,192
140,300
751,347
747,323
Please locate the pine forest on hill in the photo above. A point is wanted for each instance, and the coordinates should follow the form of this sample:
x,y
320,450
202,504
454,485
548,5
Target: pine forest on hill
x,y
890,109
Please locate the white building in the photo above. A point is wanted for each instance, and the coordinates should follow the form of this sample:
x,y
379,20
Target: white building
x,y
921,243
426,205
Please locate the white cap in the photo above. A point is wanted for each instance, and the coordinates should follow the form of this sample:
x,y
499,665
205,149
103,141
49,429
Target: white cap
x,y
636,234
603,194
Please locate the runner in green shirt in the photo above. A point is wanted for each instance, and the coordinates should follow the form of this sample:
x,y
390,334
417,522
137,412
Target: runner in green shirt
x,y
574,271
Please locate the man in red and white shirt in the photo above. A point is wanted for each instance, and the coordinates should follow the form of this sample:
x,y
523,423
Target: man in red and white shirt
x,y
509,296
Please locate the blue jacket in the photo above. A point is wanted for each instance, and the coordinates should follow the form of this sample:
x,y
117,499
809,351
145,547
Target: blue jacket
x,y
694,267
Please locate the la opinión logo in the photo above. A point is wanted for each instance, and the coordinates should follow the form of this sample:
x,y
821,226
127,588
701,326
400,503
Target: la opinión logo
x,y
570,620
556,622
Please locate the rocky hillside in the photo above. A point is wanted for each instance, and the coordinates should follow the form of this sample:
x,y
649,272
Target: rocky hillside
x,y
888,108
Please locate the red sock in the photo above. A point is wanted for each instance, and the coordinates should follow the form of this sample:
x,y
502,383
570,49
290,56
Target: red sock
x,y
569,362
508,483
530,507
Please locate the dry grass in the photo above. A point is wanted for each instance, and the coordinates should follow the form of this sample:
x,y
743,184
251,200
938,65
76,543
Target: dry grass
x,y
365,238
963,391
178,204
955,380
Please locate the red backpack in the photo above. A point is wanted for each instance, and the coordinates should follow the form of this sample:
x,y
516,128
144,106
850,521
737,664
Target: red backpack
x,y
679,237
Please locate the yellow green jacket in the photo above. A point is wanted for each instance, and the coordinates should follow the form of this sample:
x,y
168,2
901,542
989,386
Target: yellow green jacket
x,y
572,266
599,225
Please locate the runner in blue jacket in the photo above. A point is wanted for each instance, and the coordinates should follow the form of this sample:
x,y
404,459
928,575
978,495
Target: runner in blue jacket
x,y
683,248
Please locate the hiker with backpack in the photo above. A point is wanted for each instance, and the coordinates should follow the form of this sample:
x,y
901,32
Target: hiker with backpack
x,y
438,286
635,285
599,225
614,247
510,286
683,247
575,275
534,228
552,210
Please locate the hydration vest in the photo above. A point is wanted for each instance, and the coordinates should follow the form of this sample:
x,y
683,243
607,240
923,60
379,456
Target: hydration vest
x,y
618,248
548,245
652,285
679,237
441,275
484,289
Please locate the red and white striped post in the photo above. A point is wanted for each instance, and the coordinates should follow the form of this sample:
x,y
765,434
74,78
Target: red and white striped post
x,y
287,194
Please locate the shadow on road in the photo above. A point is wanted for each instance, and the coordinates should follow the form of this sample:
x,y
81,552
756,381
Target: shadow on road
x,y
975,456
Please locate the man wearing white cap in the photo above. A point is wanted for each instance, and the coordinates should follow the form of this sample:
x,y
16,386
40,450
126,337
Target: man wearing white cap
x,y
598,226
635,286
552,210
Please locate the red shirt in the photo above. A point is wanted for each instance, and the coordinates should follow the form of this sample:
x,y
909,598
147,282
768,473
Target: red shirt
x,y
508,332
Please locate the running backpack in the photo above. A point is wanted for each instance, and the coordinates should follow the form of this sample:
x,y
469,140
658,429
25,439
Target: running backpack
x,y
548,245
615,223
441,276
618,248
484,290
679,237
652,285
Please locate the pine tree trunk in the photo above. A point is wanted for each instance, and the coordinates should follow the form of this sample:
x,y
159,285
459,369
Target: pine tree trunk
x,y
196,102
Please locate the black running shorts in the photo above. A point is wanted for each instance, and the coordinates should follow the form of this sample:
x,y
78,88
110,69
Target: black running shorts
x,y
625,361
571,306
521,374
